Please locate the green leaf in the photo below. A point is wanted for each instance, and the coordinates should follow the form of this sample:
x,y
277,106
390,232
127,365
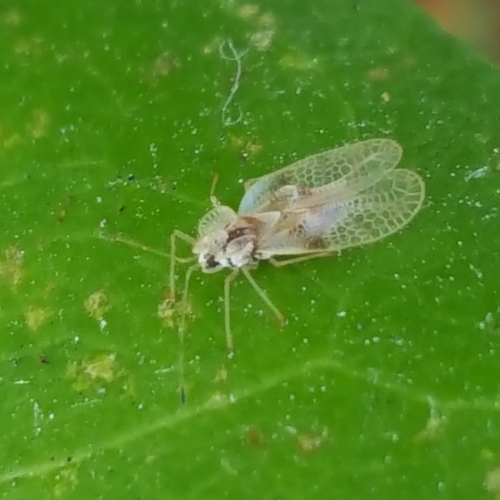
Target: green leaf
x,y
115,116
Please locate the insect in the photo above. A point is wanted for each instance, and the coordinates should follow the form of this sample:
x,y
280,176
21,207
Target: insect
x,y
320,205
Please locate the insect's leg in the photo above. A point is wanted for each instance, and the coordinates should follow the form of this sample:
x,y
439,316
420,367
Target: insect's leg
x,y
295,260
174,258
227,311
213,198
182,329
264,296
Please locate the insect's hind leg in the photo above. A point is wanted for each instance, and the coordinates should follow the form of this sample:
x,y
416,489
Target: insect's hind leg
x,y
264,296
296,260
173,258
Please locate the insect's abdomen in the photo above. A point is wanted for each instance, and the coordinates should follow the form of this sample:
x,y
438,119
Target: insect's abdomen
x,y
315,222
305,229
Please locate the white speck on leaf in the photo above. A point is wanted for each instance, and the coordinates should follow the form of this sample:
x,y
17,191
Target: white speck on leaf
x,y
480,172
21,382
476,271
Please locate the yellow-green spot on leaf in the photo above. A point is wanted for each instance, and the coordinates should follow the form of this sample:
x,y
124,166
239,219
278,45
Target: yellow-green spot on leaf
x,y
11,266
492,482
170,312
302,62
100,369
35,317
66,480
97,304
39,123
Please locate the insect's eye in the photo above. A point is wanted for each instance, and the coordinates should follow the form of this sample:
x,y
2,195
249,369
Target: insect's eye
x,y
210,261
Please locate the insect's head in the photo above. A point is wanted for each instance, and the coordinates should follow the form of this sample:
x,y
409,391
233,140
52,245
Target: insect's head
x,y
224,249
208,249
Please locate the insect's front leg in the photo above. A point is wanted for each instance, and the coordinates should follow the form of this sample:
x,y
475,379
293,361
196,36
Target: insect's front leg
x,y
182,330
227,311
173,258
263,296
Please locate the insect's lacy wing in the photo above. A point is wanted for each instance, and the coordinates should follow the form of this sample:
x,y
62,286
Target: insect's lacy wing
x,y
348,169
217,218
378,212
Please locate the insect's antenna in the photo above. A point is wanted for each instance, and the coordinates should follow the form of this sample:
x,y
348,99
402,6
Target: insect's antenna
x,y
131,243
182,329
213,198
174,259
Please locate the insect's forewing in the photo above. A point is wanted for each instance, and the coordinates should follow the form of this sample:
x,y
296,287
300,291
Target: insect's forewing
x,y
375,213
353,167
217,218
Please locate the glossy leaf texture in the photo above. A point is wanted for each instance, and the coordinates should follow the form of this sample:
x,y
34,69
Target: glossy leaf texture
x,y
114,118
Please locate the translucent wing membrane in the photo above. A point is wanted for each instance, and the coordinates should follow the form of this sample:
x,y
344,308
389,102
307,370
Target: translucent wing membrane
x,y
351,168
216,219
377,212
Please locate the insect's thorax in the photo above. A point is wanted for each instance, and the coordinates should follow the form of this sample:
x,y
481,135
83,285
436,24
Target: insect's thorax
x,y
234,246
